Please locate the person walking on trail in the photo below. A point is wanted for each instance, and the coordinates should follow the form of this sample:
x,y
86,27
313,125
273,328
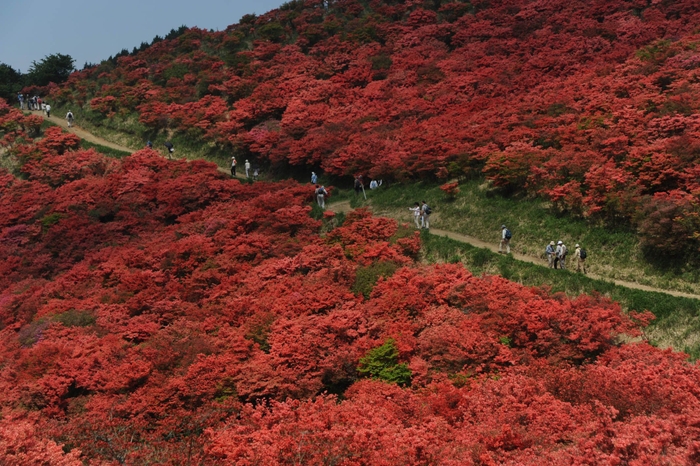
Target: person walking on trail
x,y
425,212
247,169
321,194
48,110
233,166
171,149
20,97
314,178
416,214
580,256
358,185
549,252
561,255
505,240
256,173
69,118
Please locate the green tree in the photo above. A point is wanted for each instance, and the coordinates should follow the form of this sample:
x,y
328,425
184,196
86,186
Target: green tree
x,y
10,82
54,68
383,363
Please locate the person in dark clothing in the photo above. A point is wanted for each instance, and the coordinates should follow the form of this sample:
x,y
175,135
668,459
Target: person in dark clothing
x,y
171,149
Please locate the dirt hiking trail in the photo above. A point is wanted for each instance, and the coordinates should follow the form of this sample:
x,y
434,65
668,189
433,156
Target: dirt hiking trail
x,y
89,137
81,133
344,206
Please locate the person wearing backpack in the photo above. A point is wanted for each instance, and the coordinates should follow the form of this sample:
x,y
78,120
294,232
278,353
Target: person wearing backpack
x,y
48,110
233,165
69,118
505,240
170,147
321,194
580,255
425,212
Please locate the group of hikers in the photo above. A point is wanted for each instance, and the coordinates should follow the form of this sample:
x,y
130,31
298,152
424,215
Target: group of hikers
x,y
37,104
421,214
556,256
255,171
554,253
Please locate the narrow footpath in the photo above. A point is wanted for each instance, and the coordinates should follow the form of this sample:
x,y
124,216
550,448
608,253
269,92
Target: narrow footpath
x,y
344,206
81,133
89,137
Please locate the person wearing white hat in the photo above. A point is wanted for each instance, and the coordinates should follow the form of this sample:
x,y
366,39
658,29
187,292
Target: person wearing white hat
x,y
557,255
561,255
580,255
247,169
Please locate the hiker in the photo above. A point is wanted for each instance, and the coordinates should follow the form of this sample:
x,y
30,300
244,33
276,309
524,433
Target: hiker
x,y
69,118
246,165
256,173
233,165
170,147
48,110
374,184
321,194
314,178
550,254
358,185
505,240
149,144
580,256
425,212
416,214
20,97
561,255
38,103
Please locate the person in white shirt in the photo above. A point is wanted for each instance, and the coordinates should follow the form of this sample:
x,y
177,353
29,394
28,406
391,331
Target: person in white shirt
x,y
247,169
416,214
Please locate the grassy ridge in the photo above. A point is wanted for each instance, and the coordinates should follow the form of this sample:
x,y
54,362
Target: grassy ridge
x,y
677,319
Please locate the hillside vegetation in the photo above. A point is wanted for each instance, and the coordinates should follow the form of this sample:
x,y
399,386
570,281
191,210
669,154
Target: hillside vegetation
x,y
160,312
589,104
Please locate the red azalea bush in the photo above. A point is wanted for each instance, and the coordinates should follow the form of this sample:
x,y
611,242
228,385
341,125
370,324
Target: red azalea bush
x,y
450,189
156,311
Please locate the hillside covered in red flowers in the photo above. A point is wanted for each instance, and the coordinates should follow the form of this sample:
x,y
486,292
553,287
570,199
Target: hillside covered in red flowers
x,y
159,312
590,104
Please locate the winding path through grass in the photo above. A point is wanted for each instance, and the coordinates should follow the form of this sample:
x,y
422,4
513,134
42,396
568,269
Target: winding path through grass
x,y
344,206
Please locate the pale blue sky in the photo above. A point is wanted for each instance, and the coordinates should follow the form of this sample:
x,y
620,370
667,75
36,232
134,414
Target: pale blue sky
x,y
92,30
